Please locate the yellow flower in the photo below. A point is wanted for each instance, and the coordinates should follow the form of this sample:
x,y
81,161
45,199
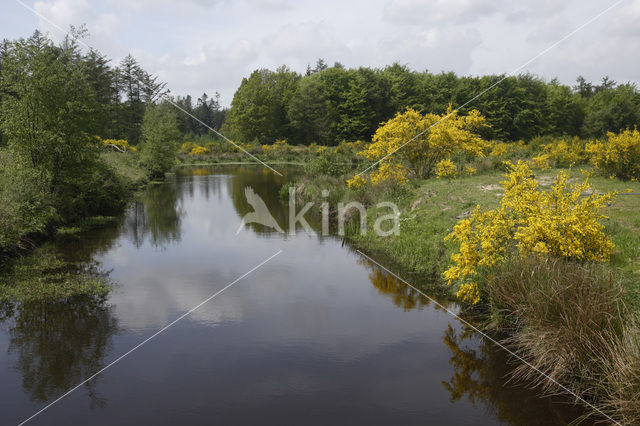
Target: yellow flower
x,y
558,223
445,169
356,182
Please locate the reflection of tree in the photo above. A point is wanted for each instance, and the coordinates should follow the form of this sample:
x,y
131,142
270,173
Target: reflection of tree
x,y
482,374
60,344
157,216
266,185
401,294
467,364
481,369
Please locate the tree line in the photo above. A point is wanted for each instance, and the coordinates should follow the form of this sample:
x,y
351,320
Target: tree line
x,y
329,104
56,103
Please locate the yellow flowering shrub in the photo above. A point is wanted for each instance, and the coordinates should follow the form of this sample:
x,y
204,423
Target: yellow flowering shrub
x,y
186,147
504,149
122,144
412,143
541,162
199,150
618,155
356,182
278,148
558,223
566,153
470,170
445,169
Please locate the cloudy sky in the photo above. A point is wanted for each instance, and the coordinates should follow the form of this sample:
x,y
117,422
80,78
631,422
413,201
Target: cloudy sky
x,y
209,45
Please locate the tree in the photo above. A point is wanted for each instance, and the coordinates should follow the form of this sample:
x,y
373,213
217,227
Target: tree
x,y
103,81
412,143
133,109
259,107
49,117
159,136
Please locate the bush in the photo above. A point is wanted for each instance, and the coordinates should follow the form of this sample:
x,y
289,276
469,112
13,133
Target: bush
x,y
412,143
327,163
27,204
618,155
560,223
566,153
445,169
159,135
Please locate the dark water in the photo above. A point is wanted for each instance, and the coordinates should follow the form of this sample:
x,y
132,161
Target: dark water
x,y
315,336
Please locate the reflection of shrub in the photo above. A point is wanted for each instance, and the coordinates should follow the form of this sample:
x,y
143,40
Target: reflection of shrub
x,y
618,155
560,223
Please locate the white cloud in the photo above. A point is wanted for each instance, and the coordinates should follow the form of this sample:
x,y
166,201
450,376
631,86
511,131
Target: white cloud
x,y
209,45
442,12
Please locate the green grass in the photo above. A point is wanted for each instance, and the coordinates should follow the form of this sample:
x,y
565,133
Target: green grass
x,y
126,166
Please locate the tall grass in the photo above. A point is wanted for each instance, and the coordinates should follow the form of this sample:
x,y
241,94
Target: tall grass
x,y
571,321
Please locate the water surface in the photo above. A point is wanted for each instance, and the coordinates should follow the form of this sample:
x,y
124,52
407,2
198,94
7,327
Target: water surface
x,y
315,336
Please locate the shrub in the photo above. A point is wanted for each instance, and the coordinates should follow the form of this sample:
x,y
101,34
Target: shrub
x,y
327,163
559,223
186,147
199,150
27,203
121,144
412,143
278,149
566,153
445,169
618,155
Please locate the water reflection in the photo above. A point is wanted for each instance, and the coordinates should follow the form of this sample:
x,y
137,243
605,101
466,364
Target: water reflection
x,y
318,335
155,216
266,185
57,345
481,370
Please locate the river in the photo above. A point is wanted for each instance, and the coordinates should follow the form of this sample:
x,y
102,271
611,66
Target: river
x,y
316,335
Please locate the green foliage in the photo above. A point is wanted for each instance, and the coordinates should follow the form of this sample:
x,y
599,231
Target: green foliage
x,y
258,109
26,206
159,136
328,163
330,104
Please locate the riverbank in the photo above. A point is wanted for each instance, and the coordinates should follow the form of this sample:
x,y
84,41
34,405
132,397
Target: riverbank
x,y
37,272
576,322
